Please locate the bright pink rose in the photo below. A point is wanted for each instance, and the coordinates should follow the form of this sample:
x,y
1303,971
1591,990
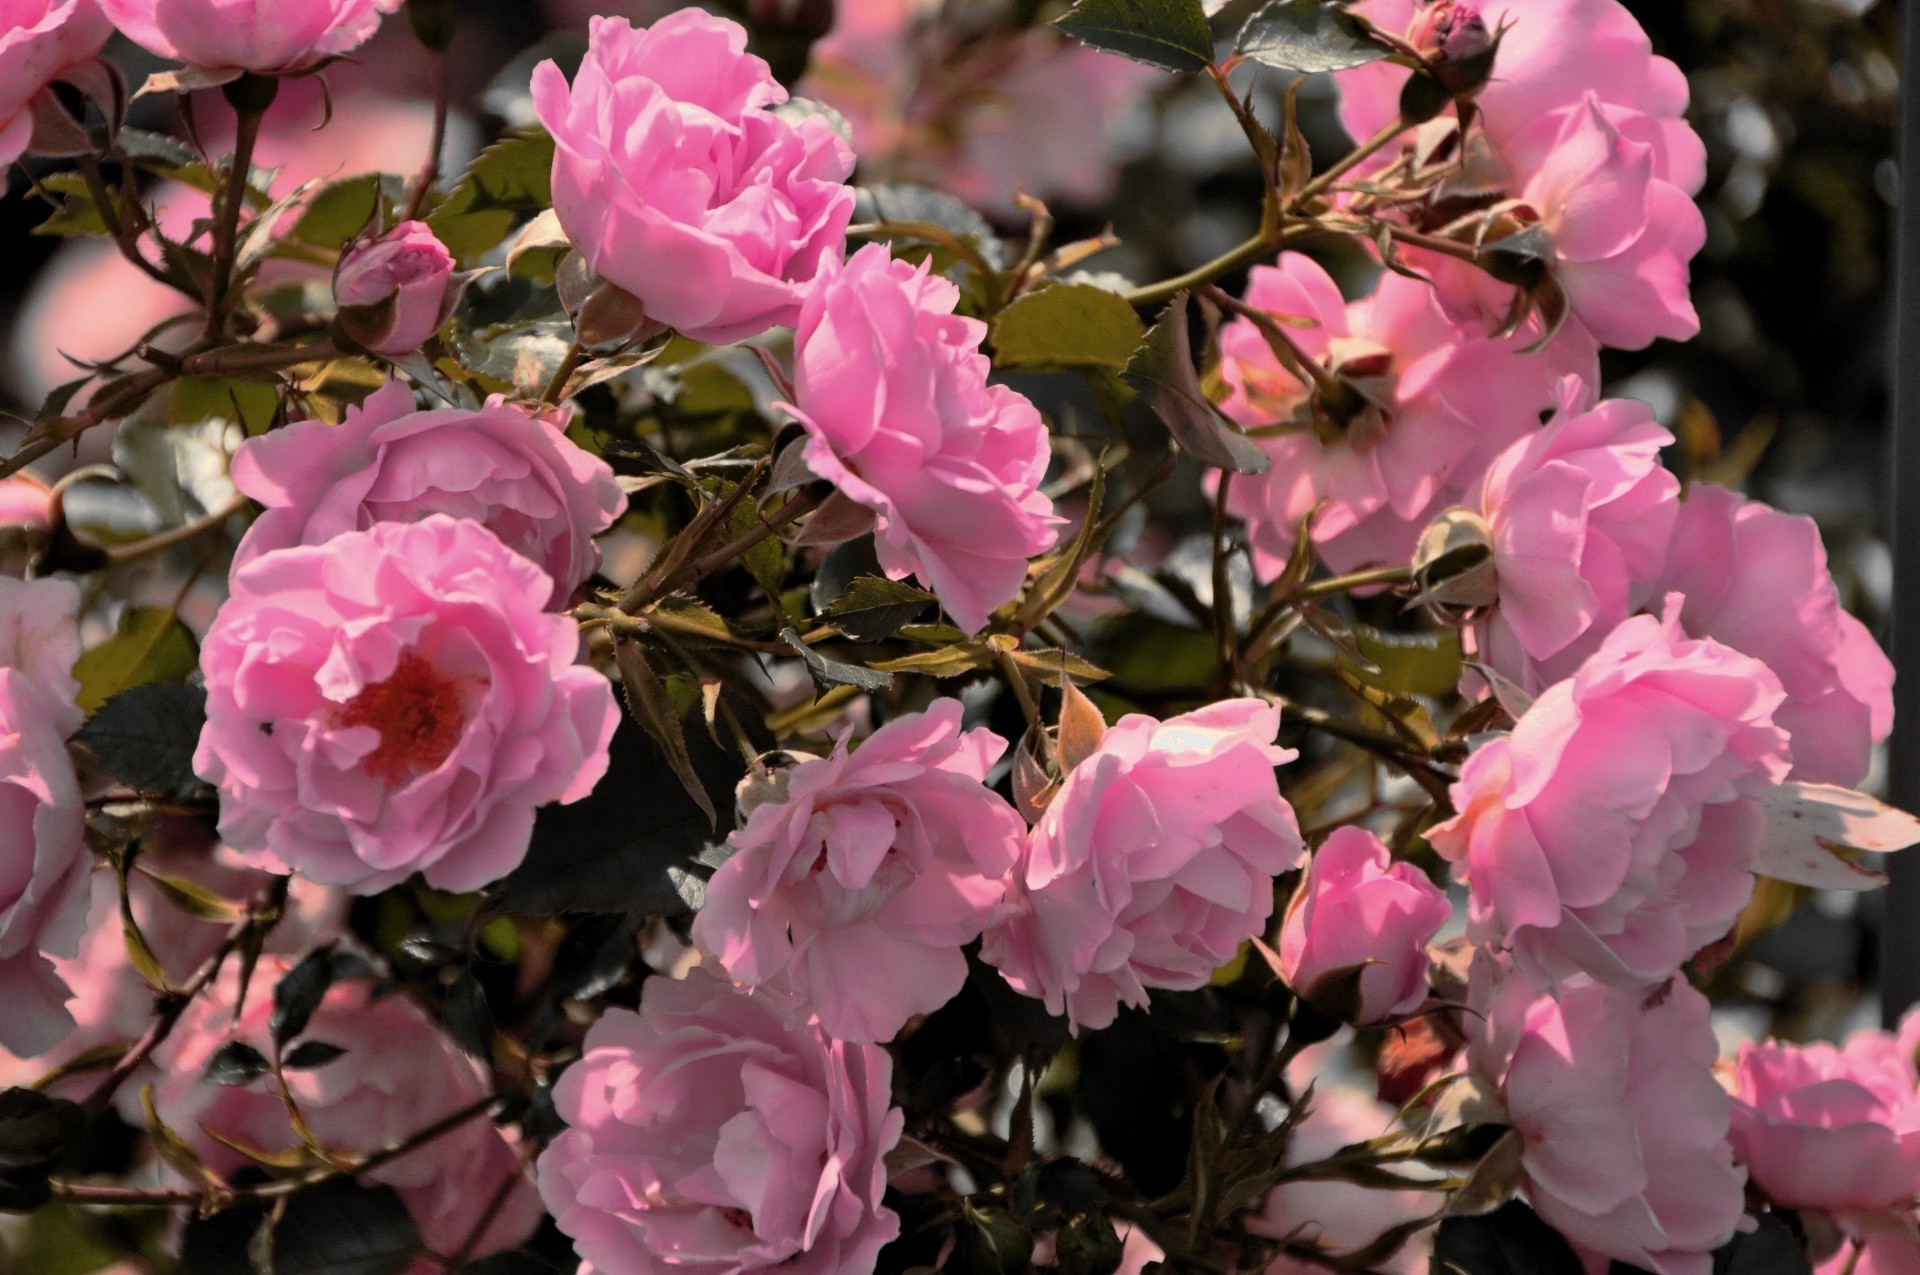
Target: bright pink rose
x,y
1831,1129
1623,1128
23,502
892,389
1358,913
396,701
1153,864
1581,514
512,471
854,885
1435,402
398,1075
39,39
709,1136
248,35
676,182
1611,832
44,860
395,291
1756,579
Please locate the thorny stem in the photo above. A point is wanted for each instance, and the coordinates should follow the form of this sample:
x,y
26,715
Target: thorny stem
x,y
220,362
125,235
430,171
1341,167
1243,254
557,383
1358,580
106,408
771,524
1223,625
233,191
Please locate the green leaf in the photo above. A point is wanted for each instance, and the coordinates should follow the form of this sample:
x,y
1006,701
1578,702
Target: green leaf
x,y
874,607
948,661
469,1017
1067,325
1169,34
299,993
828,674
1162,370
309,1054
341,1228
1308,36
205,398
235,1063
654,709
145,737
1411,663
151,645
336,213
512,177
74,209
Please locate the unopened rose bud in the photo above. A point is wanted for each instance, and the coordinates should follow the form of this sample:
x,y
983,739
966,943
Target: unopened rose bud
x,y
1453,564
394,292
1458,48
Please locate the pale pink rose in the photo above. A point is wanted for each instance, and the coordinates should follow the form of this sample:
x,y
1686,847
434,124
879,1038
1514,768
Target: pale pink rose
x,y
854,885
44,860
1439,402
40,636
1756,579
398,1075
1336,1216
1358,928
981,115
39,39
1888,1248
248,35
675,181
1612,831
891,387
1581,514
396,701
396,290
1623,1128
1836,1130
514,472
1153,864
711,1136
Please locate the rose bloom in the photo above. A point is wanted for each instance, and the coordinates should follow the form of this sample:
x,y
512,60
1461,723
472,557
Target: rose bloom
x,y
1611,832
1623,1129
398,1075
1836,1130
1359,913
1756,579
710,1135
39,39
1888,1248
891,387
1153,864
248,35
1436,402
396,701
855,885
514,472
40,635
675,181
1581,514
395,290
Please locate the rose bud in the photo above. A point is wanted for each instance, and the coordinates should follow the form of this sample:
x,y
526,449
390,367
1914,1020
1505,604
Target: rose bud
x,y
396,290
1457,46
1354,942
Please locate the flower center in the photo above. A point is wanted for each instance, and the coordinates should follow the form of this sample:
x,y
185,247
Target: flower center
x,y
418,713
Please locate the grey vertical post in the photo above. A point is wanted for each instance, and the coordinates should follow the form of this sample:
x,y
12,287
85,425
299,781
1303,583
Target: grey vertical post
x,y
1900,948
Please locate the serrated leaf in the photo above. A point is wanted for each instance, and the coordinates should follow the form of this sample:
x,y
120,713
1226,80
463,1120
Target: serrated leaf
x,y
336,213
1308,36
1053,662
828,674
309,1054
654,709
299,993
74,212
340,1228
948,661
1169,34
145,737
235,1063
512,177
874,607
1411,663
1067,325
1162,370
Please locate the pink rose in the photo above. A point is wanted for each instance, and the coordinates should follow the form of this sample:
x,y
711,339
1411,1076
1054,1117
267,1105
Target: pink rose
x,y
395,701
44,860
1831,1129
1623,1128
1612,831
40,636
1153,864
248,35
892,390
1432,404
398,1075
709,1136
1889,1248
23,502
1756,579
40,39
1580,514
855,885
512,471
676,182
396,290
1358,929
